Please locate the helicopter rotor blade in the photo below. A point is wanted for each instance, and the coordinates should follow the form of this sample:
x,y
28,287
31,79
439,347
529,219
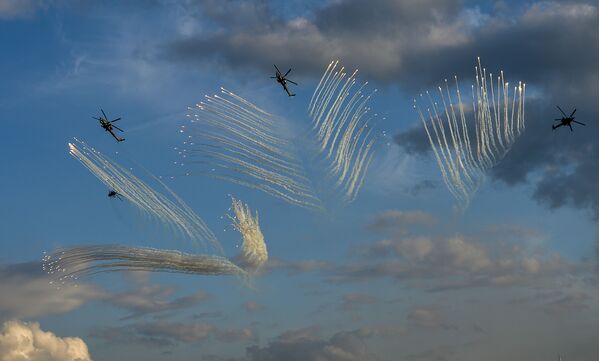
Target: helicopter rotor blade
x,y
560,109
278,71
573,113
288,71
105,117
117,119
115,127
577,122
291,81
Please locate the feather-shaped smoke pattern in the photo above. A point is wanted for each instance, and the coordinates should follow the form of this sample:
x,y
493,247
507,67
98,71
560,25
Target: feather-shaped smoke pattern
x,y
467,146
172,211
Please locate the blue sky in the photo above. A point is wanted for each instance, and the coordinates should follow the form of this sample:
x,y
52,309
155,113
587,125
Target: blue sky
x,y
512,276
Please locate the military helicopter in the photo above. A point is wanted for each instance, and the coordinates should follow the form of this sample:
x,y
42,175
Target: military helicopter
x,y
566,120
108,126
281,79
114,194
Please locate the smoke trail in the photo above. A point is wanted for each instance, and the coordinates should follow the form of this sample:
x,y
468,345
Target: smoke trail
x,y
339,121
173,213
244,143
237,141
73,263
497,123
253,251
69,264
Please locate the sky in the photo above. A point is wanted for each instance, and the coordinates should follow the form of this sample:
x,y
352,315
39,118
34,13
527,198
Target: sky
x,y
400,274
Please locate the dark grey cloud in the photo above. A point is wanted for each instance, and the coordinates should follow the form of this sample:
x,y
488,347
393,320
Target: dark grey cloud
x,y
562,166
375,37
417,44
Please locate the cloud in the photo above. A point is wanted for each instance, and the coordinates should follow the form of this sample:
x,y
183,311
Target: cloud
x,y
159,334
352,301
441,263
297,267
252,307
498,256
28,342
166,333
306,345
399,221
428,317
10,9
152,299
560,165
26,293
378,38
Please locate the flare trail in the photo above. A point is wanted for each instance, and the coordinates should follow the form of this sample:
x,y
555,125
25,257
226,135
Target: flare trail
x,y
173,213
467,145
340,122
241,143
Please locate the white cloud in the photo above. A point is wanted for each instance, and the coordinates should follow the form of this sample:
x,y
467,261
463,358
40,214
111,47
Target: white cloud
x,y
28,342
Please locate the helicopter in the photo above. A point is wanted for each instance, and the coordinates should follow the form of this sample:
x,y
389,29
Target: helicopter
x,y
115,194
108,126
566,120
281,79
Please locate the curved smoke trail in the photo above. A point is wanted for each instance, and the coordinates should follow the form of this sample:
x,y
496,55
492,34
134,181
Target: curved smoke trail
x,y
244,143
173,213
69,264
253,251
341,127
465,151
76,262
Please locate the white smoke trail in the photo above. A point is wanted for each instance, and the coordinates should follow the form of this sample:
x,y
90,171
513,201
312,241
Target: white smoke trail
x,y
339,120
173,213
497,122
70,264
253,251
244,143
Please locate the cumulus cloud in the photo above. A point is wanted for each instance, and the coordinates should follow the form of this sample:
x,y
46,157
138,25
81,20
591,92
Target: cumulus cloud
x,y
28,342
26,293
458,261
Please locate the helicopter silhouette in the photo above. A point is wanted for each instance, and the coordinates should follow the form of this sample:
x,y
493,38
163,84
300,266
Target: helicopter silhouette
x,y
115,194
566,120
281,79
108,126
